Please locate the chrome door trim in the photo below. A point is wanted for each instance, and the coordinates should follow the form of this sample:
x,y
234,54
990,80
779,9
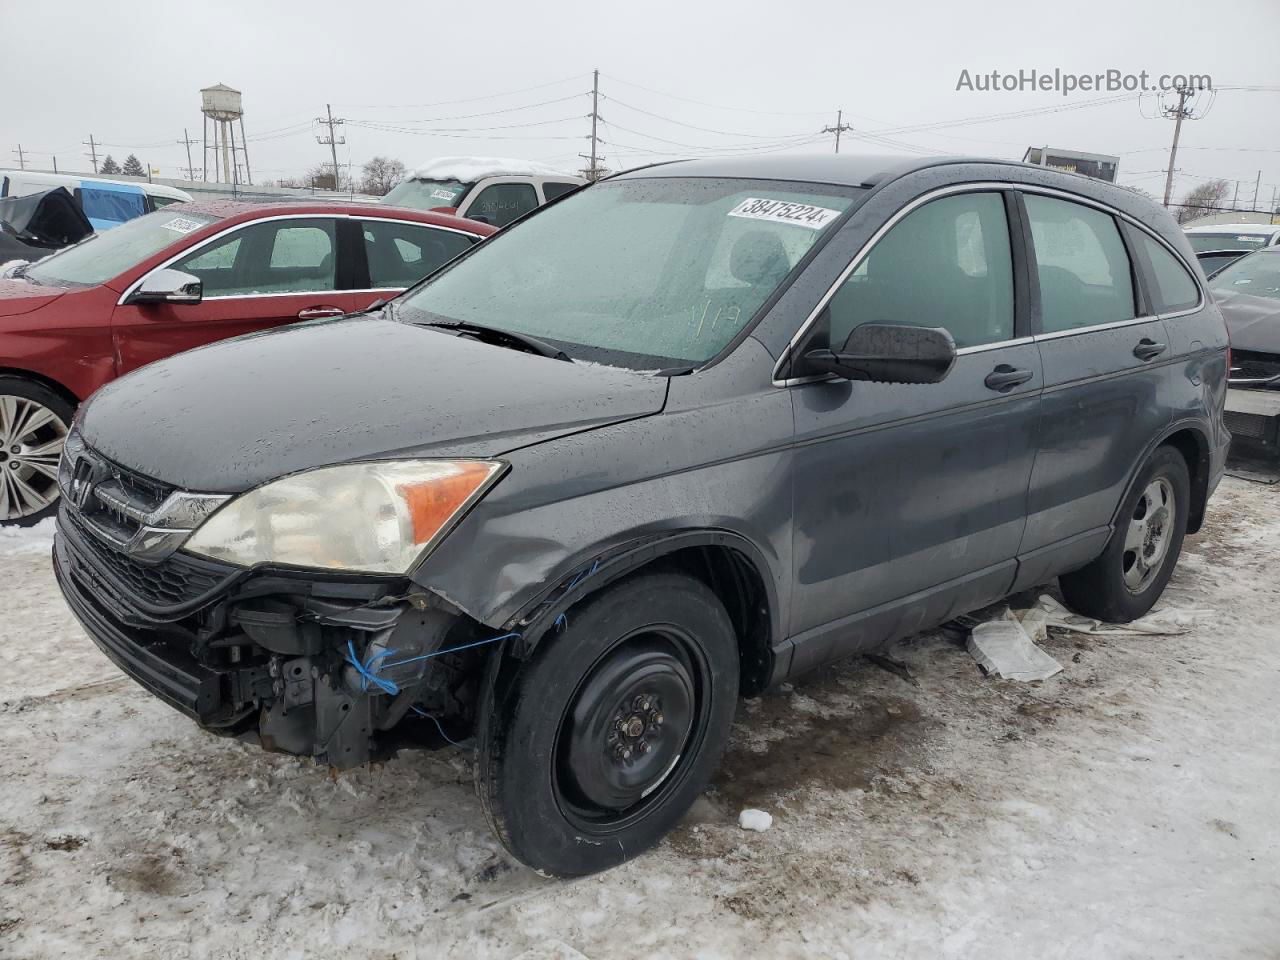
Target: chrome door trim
x,y
187,251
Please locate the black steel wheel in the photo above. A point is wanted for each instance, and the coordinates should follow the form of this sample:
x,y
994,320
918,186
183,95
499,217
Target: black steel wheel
x,y
592,750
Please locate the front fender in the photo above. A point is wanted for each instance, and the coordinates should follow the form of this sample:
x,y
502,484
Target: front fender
x,y
709,469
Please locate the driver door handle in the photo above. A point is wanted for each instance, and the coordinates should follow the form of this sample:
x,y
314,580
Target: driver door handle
x,y
1004,378
313,313
1148,349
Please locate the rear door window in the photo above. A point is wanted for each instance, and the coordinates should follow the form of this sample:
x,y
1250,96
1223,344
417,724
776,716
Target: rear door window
x,y
1172,286
401,254
1084,272
947,264
500,203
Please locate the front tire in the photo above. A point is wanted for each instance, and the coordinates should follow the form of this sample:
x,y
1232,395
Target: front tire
x,y
590,752
33,428
1127,580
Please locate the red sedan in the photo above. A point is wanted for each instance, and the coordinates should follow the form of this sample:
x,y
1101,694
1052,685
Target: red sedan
x,y
175,279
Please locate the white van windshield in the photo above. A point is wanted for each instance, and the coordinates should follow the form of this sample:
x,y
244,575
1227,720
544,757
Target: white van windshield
x,y
427,194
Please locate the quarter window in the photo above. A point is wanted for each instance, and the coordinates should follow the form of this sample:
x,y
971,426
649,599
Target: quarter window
x,y
946,264
552,189
401,254
1081,263
501,203
1173,287
293,256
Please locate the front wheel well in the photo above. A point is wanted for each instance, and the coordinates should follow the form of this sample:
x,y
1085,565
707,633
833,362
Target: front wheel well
x,y
44,381
1195,451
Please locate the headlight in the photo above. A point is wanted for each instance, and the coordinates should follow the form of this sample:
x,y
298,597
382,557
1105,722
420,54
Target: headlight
x,y
372,517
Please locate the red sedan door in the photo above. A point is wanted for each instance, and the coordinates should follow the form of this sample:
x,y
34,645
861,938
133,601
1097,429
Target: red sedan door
x,y
260,274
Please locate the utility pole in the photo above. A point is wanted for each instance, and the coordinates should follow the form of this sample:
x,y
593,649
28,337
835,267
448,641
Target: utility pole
x,y
1256,187
55,164
840,127
186,141
331,141
93,151
22,162
593,170
1235,196
1179,113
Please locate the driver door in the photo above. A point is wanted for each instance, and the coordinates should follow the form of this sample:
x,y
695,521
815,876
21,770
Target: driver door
x,y
910,500
264,274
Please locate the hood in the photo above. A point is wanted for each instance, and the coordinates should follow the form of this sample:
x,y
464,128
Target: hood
x,y
22,296
228,417
1253,323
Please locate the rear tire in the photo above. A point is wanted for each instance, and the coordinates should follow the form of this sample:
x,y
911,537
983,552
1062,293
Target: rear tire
x,y
34,421
1127,580
591,751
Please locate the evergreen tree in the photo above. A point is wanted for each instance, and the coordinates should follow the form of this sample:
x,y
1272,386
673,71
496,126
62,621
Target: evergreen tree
x,y
133,167
108,166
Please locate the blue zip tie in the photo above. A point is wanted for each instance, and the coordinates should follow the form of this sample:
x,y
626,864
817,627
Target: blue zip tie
x,y
441,653
562,620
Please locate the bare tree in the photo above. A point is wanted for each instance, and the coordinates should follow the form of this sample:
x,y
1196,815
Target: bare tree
x,y
1203,199
380,175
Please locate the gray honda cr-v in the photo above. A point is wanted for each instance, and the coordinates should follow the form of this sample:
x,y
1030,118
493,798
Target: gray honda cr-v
x,y
676,437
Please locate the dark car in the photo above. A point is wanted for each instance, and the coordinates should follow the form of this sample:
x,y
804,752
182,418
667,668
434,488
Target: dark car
x,y
179,278
1248,293
674,438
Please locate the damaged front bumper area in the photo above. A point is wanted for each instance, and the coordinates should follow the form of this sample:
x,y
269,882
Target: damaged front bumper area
x,y
342,669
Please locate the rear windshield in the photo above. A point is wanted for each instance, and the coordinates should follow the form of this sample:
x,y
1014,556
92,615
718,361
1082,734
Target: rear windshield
x,y
102,256
427,194
643,273
1206,242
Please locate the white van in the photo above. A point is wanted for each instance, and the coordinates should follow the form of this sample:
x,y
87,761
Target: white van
x,y
107,203
493,190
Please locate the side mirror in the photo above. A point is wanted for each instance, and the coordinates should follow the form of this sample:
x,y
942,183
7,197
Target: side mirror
x,y
890,354
168,286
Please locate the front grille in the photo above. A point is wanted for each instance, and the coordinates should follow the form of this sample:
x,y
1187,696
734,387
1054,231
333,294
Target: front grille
x,y
175,581
1249,426
126,528
1247,366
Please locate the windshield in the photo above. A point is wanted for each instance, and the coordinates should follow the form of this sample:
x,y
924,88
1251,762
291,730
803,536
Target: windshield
x,y
105,255
427,194
1206,242
1258,276
640,273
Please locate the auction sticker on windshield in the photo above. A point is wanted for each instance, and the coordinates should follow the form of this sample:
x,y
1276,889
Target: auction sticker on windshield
x,y
182,225
784,211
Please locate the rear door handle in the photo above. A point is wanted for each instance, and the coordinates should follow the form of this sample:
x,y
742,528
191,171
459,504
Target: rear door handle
x,y
1148,349
1004,378
313,313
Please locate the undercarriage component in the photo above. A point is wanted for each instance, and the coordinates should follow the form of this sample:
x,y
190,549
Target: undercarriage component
x,y
319,669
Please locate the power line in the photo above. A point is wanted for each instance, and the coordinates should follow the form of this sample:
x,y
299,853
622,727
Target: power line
x,y
445,103
703,103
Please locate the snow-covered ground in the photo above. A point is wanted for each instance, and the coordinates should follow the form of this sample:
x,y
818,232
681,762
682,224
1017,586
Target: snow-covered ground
x,y
1128,807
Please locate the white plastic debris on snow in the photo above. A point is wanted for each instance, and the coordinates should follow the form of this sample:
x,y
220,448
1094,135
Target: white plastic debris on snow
x,y
757,820
37,538
471,169
1003,647
1006,646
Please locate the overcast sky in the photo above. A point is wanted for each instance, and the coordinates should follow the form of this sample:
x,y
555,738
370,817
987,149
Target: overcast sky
x,y
767,76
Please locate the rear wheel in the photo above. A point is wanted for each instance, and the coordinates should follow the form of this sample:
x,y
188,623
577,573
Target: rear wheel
x,y
33,428
591,751
1126,581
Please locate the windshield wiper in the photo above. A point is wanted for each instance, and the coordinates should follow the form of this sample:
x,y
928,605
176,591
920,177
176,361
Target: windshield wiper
x,y
499,337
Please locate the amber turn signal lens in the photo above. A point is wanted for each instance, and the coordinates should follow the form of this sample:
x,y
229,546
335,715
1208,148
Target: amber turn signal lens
x,y
432,503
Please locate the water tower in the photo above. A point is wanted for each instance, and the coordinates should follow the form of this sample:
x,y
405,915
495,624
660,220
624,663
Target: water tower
x,y
221,105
